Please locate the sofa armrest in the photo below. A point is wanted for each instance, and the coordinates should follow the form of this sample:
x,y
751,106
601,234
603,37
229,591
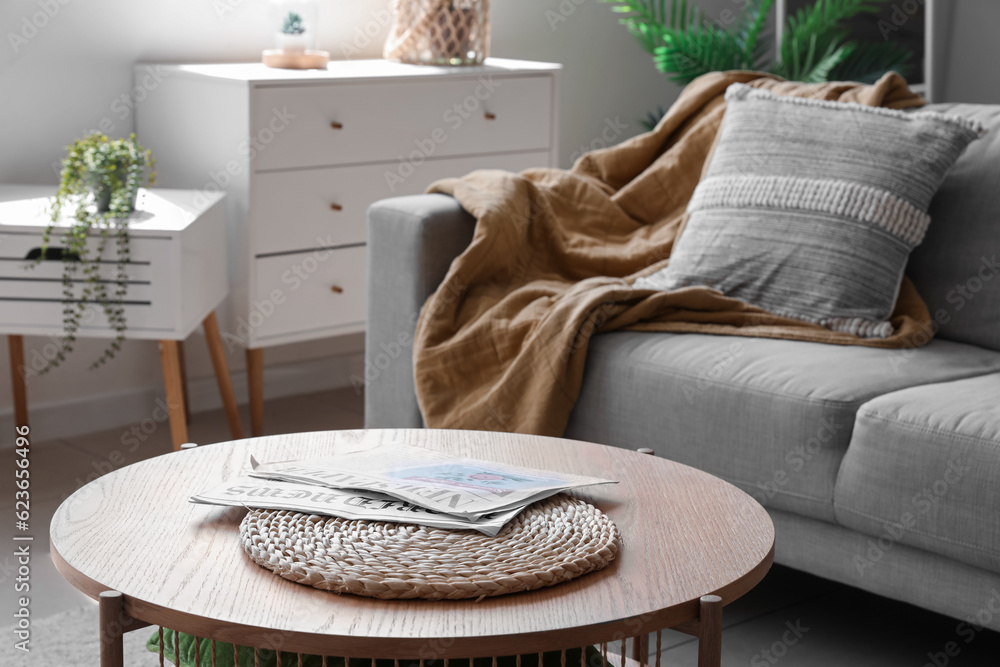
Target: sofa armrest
x,y
411,243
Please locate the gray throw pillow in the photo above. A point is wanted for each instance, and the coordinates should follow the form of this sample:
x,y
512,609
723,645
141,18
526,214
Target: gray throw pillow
x,y
809,209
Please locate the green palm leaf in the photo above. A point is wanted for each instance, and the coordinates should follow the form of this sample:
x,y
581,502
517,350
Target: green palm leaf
x,y
815,45
750,29
815,42
869,61
688,53
685,45
645,19
652,119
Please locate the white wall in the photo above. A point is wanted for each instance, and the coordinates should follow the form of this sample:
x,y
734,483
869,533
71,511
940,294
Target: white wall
x,y
72,69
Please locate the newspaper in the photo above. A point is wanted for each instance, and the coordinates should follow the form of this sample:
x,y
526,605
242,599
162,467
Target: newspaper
x,y
466,488
257,493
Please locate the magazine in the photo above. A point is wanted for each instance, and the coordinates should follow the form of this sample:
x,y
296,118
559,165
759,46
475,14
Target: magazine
x,y
254,493
467,488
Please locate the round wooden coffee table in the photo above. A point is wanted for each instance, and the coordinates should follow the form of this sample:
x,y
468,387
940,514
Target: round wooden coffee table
x,y
691,543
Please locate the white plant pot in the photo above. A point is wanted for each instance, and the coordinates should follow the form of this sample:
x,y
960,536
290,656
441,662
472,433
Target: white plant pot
x,y
294,43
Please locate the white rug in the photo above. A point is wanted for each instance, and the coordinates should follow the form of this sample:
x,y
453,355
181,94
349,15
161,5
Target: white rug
x,y
70,639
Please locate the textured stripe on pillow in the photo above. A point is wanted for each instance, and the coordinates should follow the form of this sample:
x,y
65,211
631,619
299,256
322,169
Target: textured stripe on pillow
x,y
841,198
809,209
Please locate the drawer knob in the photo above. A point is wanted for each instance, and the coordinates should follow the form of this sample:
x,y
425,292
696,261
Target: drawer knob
x,y
489,116
337,126
336,207
336,289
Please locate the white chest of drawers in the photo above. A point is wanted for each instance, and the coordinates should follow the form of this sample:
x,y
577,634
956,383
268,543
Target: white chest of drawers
x,y
302,154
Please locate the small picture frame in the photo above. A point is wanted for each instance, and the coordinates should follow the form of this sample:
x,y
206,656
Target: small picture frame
x,y
909,22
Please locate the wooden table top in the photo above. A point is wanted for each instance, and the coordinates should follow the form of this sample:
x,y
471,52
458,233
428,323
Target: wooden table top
x,y
685,534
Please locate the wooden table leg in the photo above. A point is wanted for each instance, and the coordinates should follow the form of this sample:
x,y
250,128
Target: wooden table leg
x,y
17,379
222,375
112,647
175,394
255,380
184,381
114,623
710,632
640,649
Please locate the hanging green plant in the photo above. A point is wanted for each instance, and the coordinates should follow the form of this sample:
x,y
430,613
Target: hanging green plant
x,y
98,186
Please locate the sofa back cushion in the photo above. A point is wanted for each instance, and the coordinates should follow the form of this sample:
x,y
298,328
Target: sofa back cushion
x,y
957,267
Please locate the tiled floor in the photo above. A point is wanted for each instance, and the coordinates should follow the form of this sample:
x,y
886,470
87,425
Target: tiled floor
x,y
792,619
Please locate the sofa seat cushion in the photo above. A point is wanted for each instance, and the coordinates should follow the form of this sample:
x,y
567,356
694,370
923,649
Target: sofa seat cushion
x,y
923,469
774,417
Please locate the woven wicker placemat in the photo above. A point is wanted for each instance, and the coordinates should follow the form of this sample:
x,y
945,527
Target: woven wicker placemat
x,y
552,541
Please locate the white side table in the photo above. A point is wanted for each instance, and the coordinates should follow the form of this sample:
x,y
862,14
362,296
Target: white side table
x,y
177,277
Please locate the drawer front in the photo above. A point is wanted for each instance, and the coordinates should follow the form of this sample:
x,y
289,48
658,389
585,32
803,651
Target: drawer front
x,y
18,269
48,314
307,291
298,210
15,247
47,289
31,295
411,120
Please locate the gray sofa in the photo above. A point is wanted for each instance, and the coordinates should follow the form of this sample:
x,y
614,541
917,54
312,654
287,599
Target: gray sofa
x,y
880,468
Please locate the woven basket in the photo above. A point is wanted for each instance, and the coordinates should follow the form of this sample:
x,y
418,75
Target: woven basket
x,y
551,541
440,32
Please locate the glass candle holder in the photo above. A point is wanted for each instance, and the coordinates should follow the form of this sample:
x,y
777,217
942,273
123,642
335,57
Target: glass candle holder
x,y
440,32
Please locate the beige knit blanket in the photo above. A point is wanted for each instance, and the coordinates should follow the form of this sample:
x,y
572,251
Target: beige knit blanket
x,y
502,343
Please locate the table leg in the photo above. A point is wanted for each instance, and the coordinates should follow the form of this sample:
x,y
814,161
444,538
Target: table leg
x,y
222,375
710,632
184,381
112,630
640,649
255,380
175,393
17,378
